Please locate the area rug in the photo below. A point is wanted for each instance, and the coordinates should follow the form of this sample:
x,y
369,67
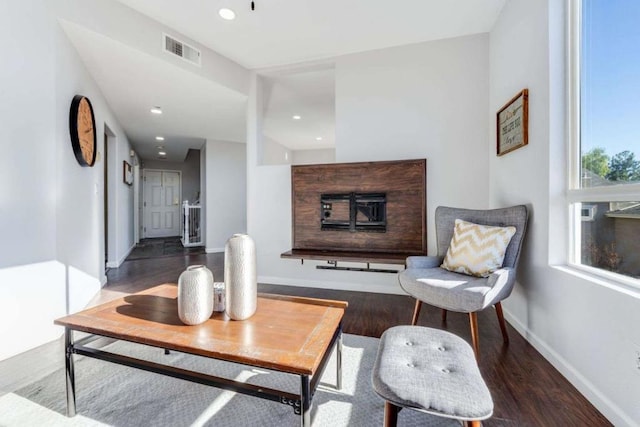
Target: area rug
x,y
109,394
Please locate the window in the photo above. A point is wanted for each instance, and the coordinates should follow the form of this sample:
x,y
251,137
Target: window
x,y
604,192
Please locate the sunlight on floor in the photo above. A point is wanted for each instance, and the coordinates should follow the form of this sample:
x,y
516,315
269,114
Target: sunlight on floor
x,y
349,382
224,398
19,412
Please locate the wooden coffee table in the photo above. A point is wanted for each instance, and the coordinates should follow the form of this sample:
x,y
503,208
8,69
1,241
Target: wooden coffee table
x,y
286,334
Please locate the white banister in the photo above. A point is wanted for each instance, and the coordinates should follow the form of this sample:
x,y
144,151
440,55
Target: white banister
x,y
191,225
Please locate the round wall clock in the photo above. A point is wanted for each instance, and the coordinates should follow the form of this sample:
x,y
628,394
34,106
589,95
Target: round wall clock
x,y
82,126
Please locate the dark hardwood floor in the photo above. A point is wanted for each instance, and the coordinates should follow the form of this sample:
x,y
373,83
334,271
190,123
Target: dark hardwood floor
x,y
526,389
162,247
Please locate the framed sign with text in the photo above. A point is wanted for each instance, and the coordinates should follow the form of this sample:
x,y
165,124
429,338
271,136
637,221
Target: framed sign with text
x,y
512,124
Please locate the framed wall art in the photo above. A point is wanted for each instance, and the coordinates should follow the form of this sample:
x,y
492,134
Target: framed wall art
x,y
512,124
127,173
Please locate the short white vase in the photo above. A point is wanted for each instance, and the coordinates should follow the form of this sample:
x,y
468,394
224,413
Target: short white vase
x,y
240,277
195,295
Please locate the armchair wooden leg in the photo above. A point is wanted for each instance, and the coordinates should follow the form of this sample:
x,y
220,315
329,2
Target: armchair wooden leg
x,y
503,326
390,414
416,312
473,320
444,316
472,424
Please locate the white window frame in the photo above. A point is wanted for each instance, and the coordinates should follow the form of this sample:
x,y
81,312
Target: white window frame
x,y
575,194
591,210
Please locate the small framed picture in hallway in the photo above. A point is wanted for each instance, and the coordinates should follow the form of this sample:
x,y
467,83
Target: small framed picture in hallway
x,y
127,173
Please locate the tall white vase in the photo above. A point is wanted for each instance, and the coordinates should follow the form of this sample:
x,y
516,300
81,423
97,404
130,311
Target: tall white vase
x,y
195,295
240,277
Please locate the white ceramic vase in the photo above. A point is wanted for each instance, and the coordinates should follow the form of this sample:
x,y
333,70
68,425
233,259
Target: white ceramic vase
x,y
240,277
195,295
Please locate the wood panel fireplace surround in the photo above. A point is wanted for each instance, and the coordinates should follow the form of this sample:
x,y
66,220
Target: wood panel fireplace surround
x,y
368,212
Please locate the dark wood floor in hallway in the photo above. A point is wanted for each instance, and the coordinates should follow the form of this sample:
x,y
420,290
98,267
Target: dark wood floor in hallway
x,y
526,389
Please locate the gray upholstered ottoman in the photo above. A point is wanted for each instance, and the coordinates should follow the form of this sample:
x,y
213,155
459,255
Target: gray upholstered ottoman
x,y
431,371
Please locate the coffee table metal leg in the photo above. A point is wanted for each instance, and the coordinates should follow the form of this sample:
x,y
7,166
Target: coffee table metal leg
x,y
71,383
305,397
339,361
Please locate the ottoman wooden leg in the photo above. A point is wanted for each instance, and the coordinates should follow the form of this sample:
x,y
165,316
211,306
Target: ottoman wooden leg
x,y
472,424
390,414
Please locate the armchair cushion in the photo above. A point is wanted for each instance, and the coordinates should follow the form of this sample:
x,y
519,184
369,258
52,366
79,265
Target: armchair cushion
x,y
476,249
455,291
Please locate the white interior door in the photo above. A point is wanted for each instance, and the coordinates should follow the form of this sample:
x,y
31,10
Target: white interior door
x,y
161,207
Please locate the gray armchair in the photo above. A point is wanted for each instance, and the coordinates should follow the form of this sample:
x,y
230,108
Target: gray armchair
x,y
427,282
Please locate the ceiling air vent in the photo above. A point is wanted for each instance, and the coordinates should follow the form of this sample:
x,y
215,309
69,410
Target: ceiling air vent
x,y
183,50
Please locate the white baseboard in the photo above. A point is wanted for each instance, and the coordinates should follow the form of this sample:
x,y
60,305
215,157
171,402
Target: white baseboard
x,y
118,263
213,250
323,284
608,408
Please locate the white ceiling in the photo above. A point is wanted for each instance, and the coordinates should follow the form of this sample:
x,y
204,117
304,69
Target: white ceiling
x,y
132,82
278,32
282,32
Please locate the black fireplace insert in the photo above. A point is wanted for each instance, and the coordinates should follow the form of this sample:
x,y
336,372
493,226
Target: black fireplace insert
x,y
354,212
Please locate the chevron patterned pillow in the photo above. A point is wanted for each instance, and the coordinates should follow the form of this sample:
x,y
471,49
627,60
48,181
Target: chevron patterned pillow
x,y
477,250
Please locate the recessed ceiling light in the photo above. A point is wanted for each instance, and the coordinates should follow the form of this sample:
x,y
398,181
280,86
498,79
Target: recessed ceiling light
x,y
318,138
296,117
159,138
156,110
227,14
160,147
162,153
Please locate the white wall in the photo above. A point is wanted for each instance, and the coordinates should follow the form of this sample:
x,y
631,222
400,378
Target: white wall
x,y
80,232
27,172
226,194
427,100
52,250
310,157
32,296
586,327
274,153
